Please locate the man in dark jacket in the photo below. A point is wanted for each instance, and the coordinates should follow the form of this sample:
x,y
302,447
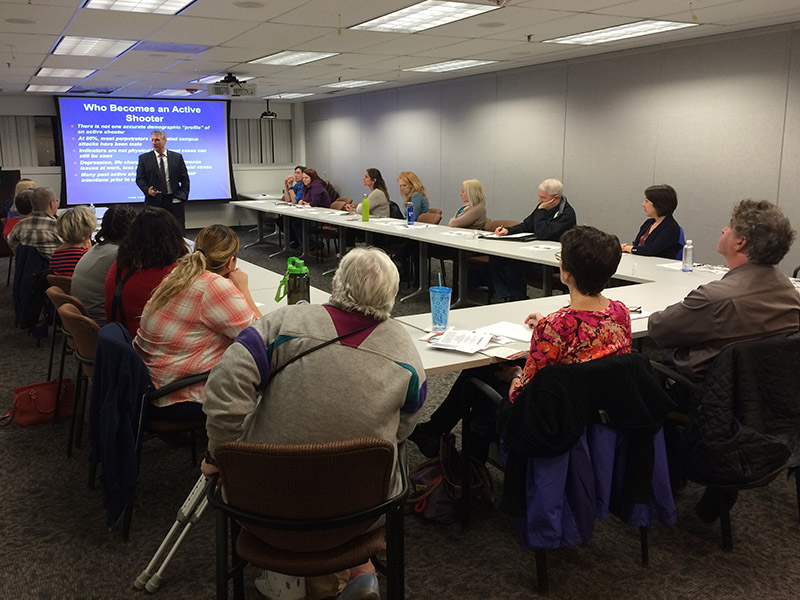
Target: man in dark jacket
x,y
549,220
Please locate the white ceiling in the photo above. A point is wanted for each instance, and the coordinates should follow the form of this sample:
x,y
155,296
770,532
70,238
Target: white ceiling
x,y
240,31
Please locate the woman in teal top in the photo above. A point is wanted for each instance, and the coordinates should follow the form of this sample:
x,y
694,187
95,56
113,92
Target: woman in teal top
x,y
413,192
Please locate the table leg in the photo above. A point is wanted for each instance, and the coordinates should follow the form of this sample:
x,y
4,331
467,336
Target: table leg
x,y
287,239
463,284
547,280
422,273
262,239
368,238
306,247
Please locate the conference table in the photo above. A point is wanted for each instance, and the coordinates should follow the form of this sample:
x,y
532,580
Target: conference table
x,y
648,284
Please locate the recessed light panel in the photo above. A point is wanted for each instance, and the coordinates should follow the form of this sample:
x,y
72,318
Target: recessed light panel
x,y
174,93
450,65
292,59
286,96
53,89
351,84
620,32
90,46
158,7
51,72
425,15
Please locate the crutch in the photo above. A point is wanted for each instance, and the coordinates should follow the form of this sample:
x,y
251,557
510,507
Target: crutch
x,y
189,513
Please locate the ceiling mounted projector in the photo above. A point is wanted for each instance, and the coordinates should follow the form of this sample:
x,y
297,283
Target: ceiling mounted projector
x,y
231,86
268,114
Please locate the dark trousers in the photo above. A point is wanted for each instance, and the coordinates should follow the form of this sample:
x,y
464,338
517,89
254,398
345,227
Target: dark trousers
x,y
508,277
180,411
176,209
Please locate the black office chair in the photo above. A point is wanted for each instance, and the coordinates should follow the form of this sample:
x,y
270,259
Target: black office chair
x,y
742,426
308,509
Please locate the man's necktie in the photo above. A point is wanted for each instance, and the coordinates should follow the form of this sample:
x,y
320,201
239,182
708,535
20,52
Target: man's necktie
x,y
163,173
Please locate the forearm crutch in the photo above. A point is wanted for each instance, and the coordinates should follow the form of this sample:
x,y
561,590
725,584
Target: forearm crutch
x,y
188,514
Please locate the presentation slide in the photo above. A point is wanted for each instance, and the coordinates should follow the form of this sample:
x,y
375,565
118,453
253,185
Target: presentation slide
x,y
102,139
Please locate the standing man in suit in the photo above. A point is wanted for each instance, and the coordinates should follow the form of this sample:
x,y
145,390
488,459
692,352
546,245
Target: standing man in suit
x,y
163,178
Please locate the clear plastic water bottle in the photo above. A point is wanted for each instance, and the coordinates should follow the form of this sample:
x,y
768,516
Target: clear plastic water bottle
x,y
93,209
410,214
688,257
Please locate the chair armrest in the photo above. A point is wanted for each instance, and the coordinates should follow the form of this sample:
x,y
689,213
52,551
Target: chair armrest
x,y
668,372
178,385
486,390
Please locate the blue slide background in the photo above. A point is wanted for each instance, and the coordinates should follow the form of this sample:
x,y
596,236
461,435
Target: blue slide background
x,y
102,139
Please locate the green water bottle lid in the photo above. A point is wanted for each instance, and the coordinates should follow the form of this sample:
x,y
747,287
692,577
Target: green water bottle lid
x,y
296,266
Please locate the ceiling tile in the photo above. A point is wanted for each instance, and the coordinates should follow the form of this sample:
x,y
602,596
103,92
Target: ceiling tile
x,y
348,41
115,24
194,30
51,19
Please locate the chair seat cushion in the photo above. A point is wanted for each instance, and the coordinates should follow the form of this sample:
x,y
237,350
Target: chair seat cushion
x,y
355,552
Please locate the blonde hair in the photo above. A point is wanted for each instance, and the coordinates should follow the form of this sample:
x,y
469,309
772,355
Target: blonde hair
x,y
76,225
213,248
22,185
366,282
474,191
414,182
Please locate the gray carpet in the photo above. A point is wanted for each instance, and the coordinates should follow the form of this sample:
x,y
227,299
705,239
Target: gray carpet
x,y
55,543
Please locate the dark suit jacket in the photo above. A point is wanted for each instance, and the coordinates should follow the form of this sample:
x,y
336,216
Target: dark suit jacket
x,y
147,175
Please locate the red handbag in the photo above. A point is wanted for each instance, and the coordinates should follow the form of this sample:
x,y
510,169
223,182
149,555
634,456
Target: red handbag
x,y
36,403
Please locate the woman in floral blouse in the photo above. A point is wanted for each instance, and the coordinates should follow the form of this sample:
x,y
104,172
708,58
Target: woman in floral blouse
x,y
590,326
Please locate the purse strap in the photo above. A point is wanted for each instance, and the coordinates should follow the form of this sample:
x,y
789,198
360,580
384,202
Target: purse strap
x,y
317,347
117,312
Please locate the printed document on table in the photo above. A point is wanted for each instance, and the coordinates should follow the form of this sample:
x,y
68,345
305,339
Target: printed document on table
x,y
462,340
516,331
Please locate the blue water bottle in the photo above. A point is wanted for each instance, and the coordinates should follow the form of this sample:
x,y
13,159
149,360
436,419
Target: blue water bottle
x,y
410,214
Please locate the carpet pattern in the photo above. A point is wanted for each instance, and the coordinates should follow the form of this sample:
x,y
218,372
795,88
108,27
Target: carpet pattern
x,y
55,543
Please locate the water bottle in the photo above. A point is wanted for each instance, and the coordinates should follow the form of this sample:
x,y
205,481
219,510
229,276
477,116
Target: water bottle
x,y
93,209
410,214
688,257
296,284
365,209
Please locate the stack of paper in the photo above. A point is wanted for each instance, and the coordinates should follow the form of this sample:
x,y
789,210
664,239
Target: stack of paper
x,y
469,342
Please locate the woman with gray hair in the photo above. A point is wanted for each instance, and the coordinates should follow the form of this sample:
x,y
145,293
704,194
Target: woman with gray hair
x,y
279,382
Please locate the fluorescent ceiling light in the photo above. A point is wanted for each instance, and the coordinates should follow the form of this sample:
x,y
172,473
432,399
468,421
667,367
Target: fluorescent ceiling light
x,y
219,77
159,7
286,96
174,93
292,59
352,84
58,89
450,65
51,72
620,32
425,15
90,46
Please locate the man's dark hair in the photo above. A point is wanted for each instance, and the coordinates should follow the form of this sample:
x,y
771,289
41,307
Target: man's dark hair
x,y
154,240
116,223
23,202
300,167
591,256
664,199
768,231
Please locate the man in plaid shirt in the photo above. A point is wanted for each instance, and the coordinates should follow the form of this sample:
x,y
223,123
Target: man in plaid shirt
x,y
38,230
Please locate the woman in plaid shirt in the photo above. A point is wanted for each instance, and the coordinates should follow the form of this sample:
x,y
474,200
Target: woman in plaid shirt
x,y
191,319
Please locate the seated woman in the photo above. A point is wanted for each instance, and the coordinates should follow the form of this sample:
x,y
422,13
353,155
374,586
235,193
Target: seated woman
x,y
75,227
147,255
315,193
473,214
89,277
24,209
590,326
10,206
378,197
660,233
293,410
413,192
193,316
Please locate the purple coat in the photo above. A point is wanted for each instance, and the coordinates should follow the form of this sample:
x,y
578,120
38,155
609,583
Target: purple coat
x,y
316,194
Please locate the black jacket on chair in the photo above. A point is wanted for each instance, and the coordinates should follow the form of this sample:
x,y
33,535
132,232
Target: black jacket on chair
x,y
552,411
745,419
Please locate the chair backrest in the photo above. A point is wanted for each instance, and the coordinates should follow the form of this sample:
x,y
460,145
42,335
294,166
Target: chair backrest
x,y
682,242
58,297
5,249
339,204
62,281
84,332
494,224
437,211
29,286
394,210
430,217
307,482
332,193
745,420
